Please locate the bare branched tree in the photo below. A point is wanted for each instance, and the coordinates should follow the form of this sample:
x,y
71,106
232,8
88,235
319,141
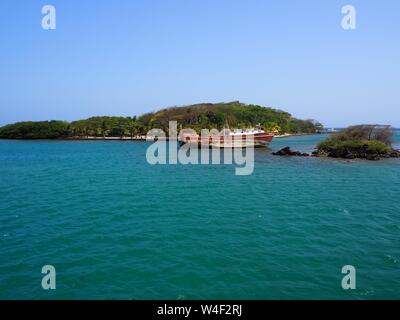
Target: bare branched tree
x,y
381,133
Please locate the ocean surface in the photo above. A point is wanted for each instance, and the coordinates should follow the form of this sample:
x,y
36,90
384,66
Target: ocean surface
x,y
116,227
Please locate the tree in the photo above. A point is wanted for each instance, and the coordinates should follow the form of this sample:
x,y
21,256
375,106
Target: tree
x,y
376,132
132,126
104,128
272,127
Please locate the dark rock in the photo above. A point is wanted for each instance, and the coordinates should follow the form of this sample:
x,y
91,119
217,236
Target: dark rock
x,y
349,155
287,152
372,157
394,154
356,154
283,152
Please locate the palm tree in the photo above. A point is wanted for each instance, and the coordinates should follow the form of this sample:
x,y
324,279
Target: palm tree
x,y
103,128
132,126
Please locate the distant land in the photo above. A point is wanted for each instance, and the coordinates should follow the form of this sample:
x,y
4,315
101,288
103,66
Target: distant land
x,y
197,116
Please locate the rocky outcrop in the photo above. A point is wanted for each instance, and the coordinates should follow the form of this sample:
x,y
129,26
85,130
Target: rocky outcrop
x,y
347,154
288,152
343,155
394,154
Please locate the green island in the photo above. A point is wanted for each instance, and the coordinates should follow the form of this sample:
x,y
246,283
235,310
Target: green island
x,y
371,142
198,116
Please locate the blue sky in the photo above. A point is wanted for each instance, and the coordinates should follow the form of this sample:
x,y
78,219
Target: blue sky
x,y
130,57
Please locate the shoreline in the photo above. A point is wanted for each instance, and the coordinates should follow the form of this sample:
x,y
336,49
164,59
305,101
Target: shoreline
x,y
79,139
286,135
137,138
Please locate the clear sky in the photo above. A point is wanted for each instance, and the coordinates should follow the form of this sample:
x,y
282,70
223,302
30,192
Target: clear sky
x,y
130,57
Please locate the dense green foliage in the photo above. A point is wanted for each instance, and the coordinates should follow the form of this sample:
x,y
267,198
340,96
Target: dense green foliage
x,y
358,142
200,116
353,146
35,130
105,126
235,114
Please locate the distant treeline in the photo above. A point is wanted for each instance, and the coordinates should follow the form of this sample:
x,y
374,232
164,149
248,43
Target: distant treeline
x,y
199,116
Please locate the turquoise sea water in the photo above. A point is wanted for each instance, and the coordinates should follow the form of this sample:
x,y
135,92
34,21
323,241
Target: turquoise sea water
x,y
116,227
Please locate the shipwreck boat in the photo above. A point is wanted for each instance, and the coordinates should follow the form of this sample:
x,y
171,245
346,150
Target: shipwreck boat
x,y
238,138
